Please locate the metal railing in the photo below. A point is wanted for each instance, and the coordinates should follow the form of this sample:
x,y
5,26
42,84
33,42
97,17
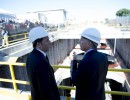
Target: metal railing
x,y
25,36
15,38
14,81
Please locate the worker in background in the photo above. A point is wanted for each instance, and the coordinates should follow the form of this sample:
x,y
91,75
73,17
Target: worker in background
x,y
4,34
40,73
89,75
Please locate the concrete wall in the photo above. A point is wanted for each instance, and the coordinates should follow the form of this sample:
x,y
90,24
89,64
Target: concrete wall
x,y
60,49
123,50
123,57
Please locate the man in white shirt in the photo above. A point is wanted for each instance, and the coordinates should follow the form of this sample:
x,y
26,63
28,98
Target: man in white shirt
x,y
4,33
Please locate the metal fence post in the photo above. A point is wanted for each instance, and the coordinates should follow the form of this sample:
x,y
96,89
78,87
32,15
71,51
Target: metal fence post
x,y
13,77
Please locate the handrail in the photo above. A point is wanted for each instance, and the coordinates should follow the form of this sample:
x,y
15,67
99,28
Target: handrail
x,y
22,34
108,92
14,81
61,66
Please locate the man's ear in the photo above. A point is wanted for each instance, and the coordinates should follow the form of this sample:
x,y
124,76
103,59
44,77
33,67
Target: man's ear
x,y
89,43
38,44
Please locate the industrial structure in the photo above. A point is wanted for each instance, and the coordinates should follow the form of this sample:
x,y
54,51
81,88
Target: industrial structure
x,y
14,84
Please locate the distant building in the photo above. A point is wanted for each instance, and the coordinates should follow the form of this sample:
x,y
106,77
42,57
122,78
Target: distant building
x,y
6,16
56,17
9,21
125,20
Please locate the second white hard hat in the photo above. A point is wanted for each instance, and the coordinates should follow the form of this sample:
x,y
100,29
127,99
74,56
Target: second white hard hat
x,y
92,34
37,33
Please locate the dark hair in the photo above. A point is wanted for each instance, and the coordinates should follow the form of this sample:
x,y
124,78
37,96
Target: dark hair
x,y
37,41
94,45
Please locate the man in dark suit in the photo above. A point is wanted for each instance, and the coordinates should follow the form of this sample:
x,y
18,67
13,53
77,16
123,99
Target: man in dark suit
x,y
40,73
89,75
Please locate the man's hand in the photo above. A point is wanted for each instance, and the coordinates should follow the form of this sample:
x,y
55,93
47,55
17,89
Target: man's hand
x,y
74,56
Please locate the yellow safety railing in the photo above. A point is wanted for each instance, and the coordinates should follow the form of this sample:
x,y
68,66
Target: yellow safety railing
x,y
14,81
25,36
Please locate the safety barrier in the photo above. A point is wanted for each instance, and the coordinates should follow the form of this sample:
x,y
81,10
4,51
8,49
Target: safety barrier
x,y
25,36
14,81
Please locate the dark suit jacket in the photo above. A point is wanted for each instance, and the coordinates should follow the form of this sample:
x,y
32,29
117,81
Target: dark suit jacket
x,y
41,77
89,76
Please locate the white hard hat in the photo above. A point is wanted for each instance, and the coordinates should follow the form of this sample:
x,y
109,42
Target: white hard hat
x,y
37,33
92,34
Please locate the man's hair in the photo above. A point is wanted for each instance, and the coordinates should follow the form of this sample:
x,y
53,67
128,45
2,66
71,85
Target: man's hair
x,y
37,41
94,45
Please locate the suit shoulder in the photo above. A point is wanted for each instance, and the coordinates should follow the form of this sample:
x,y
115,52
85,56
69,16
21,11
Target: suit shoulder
x,y
35,57
102,55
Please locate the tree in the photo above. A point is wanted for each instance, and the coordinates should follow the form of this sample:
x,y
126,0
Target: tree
x,y
123,12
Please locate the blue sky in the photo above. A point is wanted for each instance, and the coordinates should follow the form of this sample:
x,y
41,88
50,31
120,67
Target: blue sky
x,y
87,9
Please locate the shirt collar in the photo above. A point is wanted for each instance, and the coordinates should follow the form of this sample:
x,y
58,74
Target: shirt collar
x,y
88,51
42,52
